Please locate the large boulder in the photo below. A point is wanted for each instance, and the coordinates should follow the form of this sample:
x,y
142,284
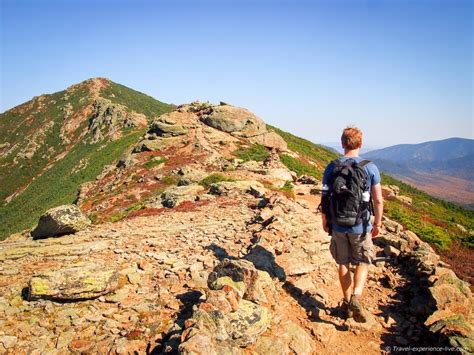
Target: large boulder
x,y
60,220
166,128
238,121
77,282
270,140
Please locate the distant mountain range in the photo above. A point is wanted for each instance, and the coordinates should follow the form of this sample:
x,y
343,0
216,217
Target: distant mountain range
x,y
336,146
443,168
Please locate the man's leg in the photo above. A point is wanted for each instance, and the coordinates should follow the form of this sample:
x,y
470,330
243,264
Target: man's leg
x,y
346,281
360,275
358,311
361,255
340,250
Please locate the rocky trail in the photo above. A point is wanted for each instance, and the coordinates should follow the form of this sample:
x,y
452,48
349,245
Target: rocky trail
x,y
163,263
209,254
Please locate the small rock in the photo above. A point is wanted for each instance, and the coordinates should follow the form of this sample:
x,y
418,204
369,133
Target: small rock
x,y
391,251
323,332
118,297
80,345
134,278
144,265
305,283
8,341
64,339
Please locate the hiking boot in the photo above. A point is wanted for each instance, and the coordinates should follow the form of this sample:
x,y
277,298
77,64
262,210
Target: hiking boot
x,y
359,313
346,311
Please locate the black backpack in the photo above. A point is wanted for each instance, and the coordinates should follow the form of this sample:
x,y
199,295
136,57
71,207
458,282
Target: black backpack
x,y
348,195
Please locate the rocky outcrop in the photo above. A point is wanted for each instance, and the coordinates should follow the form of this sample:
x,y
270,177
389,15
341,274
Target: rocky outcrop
x,y
77,282
60,220
393,192
109,119
449,311
241,123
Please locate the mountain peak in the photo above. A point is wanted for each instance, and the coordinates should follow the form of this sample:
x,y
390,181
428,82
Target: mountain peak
x,y
94,85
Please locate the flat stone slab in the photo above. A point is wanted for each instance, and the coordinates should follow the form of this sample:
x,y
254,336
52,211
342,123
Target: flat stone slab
x,y
78,282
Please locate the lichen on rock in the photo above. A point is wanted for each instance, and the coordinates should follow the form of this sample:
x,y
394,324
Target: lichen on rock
x,y
77,282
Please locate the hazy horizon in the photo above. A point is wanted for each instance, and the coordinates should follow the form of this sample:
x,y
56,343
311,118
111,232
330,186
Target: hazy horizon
x,y
401,71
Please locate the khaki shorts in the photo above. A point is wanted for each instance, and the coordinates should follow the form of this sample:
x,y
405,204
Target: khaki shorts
x,y
351,248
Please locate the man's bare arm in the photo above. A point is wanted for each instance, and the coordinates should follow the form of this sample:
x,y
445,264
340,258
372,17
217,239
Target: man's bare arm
x,y
378,208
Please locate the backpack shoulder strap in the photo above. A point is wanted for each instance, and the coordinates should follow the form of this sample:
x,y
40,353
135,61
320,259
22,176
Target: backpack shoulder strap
x,y
364,163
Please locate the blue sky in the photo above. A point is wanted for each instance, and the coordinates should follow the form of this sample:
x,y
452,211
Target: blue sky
x,y
400,70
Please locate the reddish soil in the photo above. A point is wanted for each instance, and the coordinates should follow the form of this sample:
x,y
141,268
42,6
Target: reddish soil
x,y
461,259
146,212
434,221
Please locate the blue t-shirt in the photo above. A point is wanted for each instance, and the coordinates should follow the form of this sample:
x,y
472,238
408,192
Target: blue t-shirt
x,y
374,179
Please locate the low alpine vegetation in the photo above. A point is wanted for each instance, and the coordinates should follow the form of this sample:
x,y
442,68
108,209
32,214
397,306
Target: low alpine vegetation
x,y
155,161
255,152
214,178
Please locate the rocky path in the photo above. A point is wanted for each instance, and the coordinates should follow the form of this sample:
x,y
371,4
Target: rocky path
x,y
163,261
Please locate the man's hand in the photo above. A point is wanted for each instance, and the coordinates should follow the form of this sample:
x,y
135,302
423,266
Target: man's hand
x,y
375,231
325,223
325,227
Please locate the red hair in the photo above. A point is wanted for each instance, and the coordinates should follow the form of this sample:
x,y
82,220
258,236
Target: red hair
x,y
351,138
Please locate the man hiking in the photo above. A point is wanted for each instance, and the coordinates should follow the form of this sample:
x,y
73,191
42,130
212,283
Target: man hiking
x,y
349,184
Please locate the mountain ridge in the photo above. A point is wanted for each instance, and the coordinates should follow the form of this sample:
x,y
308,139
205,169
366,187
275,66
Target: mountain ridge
x,y
195,231
451,160
456,147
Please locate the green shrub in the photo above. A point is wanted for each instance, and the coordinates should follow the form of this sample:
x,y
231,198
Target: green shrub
x,y
300,167
118,217
154,162
169,180
255,152
287,187
213,178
